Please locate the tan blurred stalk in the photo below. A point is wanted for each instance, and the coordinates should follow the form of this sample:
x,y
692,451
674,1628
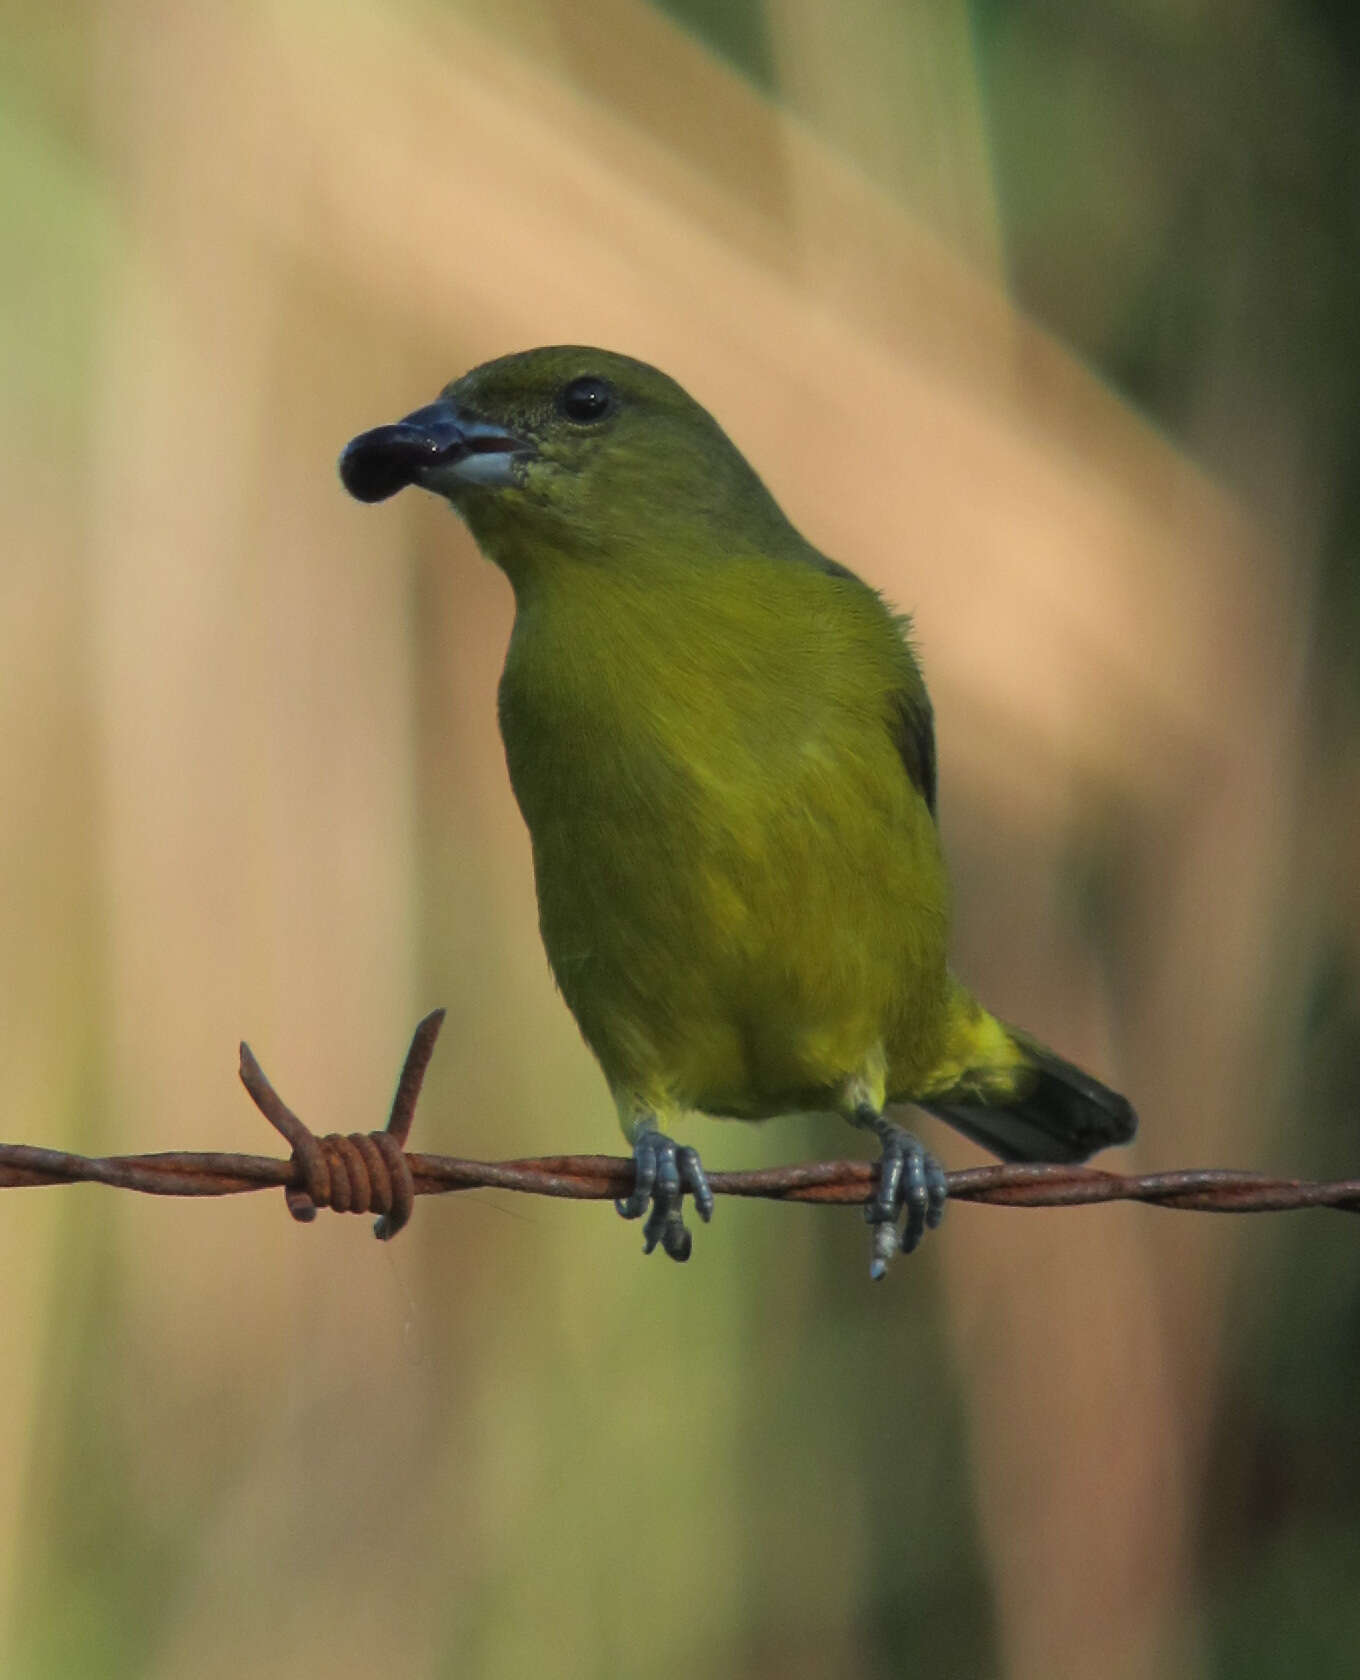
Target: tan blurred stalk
x,y
321,214
894,87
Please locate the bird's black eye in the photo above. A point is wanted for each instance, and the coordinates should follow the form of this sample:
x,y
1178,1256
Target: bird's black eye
x,y
586,399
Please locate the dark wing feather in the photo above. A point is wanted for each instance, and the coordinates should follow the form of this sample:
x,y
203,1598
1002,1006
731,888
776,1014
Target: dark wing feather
x,y
913,733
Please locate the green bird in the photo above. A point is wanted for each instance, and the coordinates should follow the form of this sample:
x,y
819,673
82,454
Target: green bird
x,y
723,748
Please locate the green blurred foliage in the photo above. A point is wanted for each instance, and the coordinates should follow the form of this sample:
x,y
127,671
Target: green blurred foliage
x,y
738,31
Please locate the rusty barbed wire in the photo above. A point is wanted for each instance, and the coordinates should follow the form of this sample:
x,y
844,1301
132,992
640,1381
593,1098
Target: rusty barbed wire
x,y
367,1172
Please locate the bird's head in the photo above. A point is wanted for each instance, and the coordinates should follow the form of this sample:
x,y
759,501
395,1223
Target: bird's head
x,y
571,449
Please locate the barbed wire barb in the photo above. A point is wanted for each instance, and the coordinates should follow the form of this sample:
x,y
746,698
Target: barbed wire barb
x,y
366,1172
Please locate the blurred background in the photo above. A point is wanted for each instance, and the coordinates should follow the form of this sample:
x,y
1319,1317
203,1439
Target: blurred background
x,y
1039,314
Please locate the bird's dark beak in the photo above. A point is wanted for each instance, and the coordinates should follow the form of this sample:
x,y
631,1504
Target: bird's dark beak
x,y
438,448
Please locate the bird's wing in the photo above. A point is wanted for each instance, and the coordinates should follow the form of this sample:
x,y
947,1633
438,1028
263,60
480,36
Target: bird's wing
x,y
912,725
911,722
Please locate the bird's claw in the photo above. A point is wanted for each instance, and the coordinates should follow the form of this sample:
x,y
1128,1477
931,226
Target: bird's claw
x,y
911,1182
664,1173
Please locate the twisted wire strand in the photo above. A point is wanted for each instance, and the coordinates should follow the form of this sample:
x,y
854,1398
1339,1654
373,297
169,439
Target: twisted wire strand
x,y
372,1172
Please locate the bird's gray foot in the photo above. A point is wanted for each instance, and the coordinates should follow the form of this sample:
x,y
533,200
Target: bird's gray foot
x,y
664,1173
911,1183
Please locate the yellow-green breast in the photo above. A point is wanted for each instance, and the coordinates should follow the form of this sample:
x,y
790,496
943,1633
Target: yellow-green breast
x,y
741,891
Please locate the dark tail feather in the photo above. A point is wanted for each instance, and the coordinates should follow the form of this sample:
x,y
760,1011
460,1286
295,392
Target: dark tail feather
x,y
1065,1115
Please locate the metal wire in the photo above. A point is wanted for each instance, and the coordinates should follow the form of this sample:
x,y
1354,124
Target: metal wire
x,y
373,1172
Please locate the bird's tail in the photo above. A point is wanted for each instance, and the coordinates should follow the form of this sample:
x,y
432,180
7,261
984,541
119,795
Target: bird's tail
x,y
1025,1103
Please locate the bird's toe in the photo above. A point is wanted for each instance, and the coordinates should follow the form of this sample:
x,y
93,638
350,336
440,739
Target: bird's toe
x,y
664,1173
911,1188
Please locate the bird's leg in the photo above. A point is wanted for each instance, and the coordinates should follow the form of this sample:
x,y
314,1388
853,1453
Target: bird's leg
x,y
664,1172
910,1181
